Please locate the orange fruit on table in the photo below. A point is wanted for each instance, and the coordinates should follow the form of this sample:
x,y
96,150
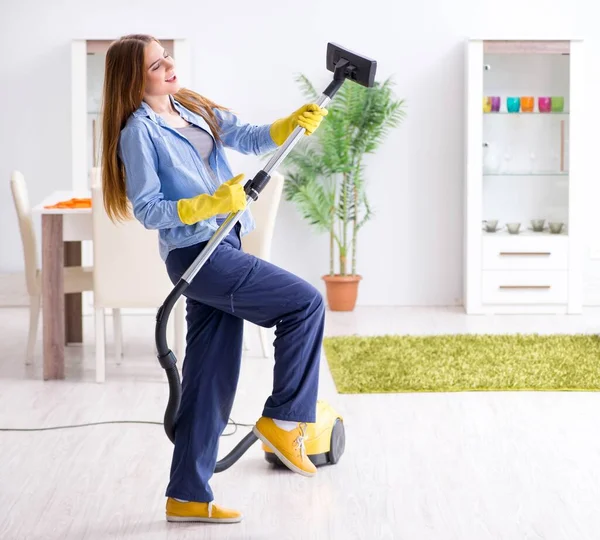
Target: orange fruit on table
x,y
73,203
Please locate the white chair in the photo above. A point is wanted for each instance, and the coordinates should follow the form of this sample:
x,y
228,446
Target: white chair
x,y
128,273
77,279
258,242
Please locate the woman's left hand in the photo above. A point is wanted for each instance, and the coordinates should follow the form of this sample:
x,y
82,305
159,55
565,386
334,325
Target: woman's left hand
x,y
309,117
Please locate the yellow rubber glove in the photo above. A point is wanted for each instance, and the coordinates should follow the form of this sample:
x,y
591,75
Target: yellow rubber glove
x,y
229,197
309,117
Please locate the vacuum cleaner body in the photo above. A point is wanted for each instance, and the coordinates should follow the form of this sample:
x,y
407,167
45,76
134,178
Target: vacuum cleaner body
x,y
325,438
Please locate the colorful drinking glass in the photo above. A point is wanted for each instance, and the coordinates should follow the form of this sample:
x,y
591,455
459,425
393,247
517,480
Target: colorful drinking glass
x,y
495,103
558,103
513,104
544,104
527,103
487,104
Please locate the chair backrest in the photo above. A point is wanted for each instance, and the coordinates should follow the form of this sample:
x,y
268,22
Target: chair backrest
x,y
264,210
128,270
21,200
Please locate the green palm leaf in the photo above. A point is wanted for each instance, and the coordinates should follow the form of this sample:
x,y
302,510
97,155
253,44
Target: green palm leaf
x,y
325,174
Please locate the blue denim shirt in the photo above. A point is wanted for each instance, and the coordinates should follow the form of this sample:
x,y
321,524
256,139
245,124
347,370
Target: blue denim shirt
x,y
162,166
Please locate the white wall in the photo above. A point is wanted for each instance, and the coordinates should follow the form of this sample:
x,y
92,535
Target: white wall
x,y
246,55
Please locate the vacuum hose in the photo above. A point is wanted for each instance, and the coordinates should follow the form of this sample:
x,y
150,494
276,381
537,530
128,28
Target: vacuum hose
x,y
168,361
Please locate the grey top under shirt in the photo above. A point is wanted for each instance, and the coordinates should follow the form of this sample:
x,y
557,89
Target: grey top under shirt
x,y
204,144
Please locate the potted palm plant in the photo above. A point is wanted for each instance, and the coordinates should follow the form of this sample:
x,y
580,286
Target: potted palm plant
x,y
325,176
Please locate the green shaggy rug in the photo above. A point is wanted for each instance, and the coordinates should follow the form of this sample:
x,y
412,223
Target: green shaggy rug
x,y
455,363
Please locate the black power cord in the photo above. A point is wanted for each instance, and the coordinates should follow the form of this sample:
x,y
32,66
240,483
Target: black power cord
x,y
230,423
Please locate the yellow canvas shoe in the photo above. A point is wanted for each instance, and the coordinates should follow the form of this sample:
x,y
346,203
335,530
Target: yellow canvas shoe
x,y
287,445
200,511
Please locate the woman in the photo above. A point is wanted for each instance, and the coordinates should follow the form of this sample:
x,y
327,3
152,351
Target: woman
x,y
164,154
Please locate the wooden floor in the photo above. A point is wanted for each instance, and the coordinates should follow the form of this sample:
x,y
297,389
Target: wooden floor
x,y
464,466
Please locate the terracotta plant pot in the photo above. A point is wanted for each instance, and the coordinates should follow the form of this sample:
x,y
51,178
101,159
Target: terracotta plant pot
x,y
341,291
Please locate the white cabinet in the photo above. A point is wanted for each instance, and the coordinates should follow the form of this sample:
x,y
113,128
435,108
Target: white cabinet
x,y
524,163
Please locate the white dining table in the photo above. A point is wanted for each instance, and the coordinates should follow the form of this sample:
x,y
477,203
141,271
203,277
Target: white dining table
x,y
63,230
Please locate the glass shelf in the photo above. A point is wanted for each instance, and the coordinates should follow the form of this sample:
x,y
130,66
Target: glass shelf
x,y
525,232
564,173
532,113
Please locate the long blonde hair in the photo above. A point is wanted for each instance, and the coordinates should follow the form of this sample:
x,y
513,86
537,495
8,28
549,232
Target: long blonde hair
x,y
124,83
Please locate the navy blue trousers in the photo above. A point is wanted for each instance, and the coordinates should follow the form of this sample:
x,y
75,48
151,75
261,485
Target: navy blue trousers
x,y
230,287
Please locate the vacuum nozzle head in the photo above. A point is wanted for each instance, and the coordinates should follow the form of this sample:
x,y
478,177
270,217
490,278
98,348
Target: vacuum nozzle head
x,y
349,65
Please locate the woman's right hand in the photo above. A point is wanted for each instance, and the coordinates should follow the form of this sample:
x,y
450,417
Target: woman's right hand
x,y
229,197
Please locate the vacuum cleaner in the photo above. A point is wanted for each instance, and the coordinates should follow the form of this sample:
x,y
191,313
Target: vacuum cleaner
x,y
325,438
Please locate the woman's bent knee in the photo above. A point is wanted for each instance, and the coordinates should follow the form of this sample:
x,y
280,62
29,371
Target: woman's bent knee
x,y
316,304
